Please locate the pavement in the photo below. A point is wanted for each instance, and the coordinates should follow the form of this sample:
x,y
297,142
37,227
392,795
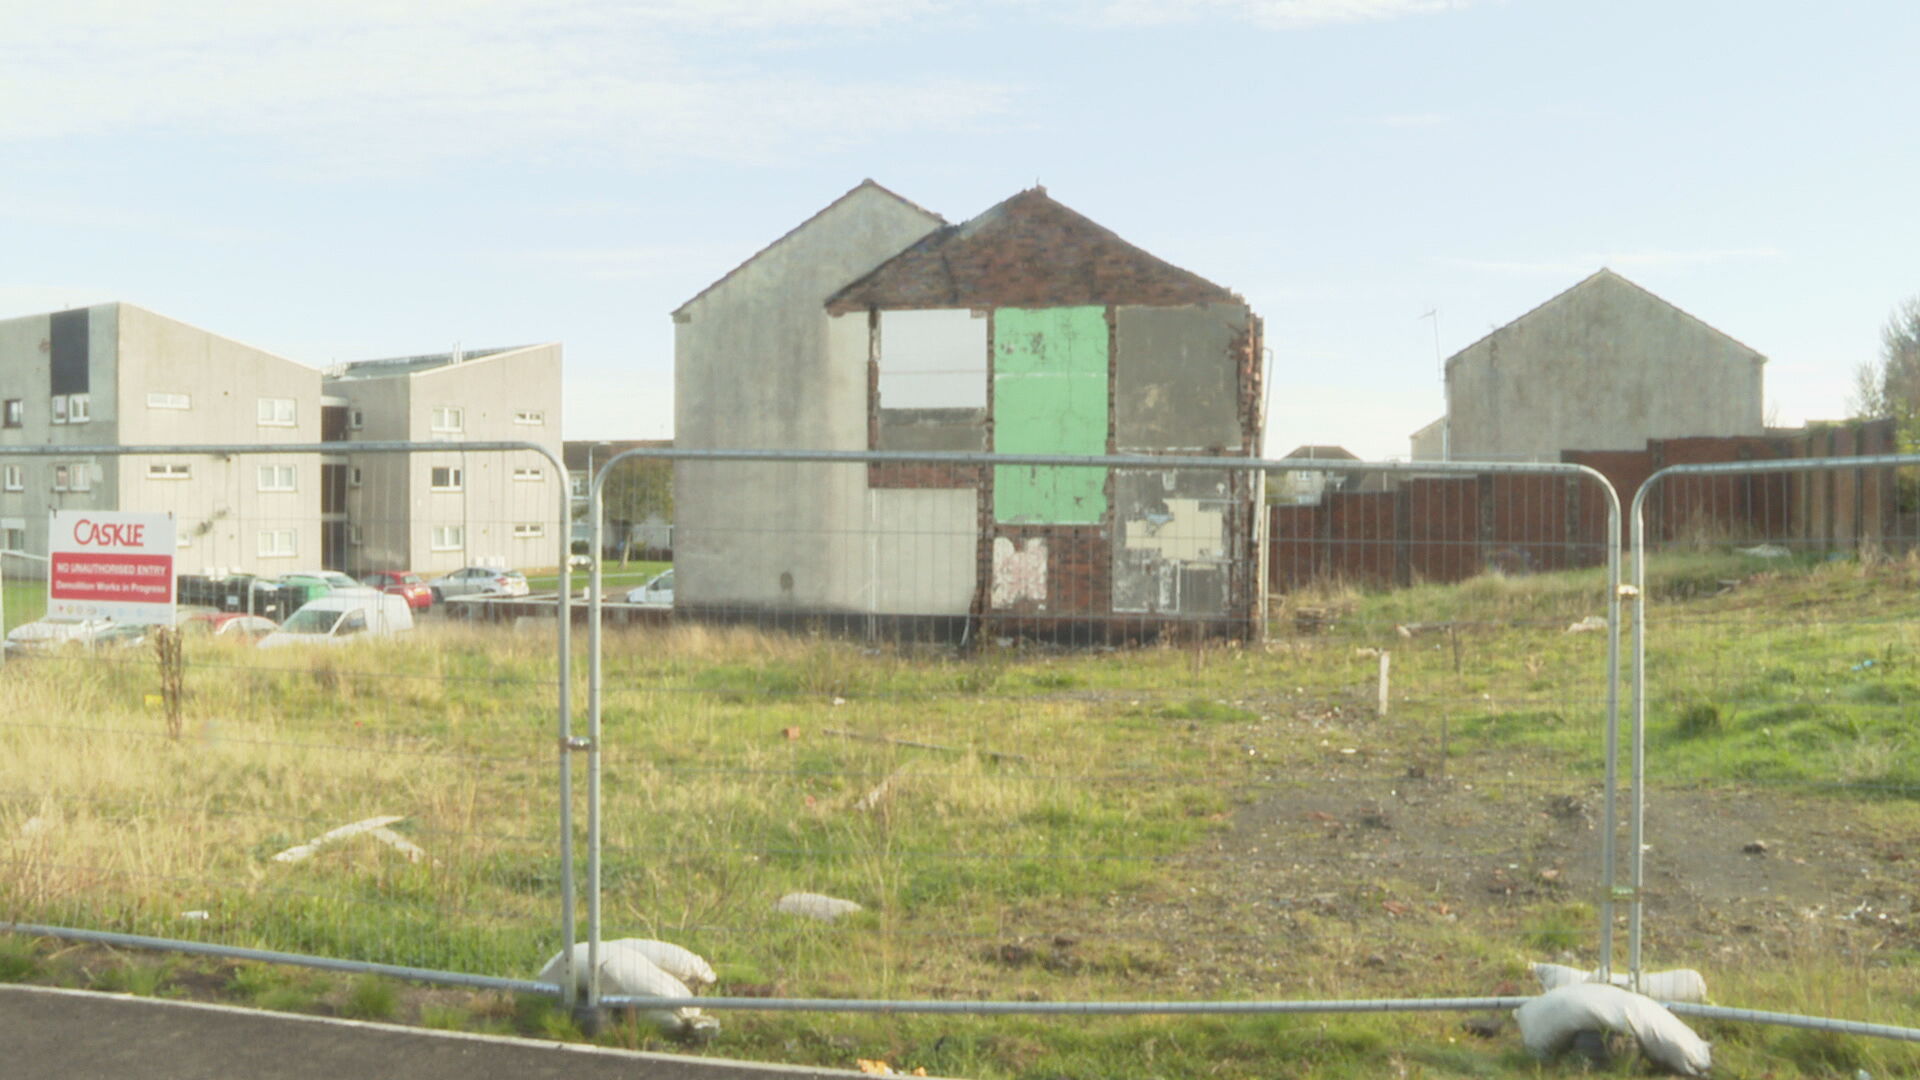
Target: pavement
x,y
55,1034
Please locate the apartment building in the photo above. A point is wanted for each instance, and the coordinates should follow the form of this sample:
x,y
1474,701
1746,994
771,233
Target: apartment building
x,y
119,375
433,512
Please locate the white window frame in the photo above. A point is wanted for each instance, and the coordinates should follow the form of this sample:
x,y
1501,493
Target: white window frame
x,y
81,478
270,477
170,470
79,408
448,537
355,535
531,474
162,400
449,418
59,408
13,413
456,478
529,530
276,412
61,475
577,484
356,419
13,539
268,544
353,476
13,478
530,417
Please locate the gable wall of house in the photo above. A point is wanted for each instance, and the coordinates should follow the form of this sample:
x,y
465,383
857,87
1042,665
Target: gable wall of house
x,y
1606,366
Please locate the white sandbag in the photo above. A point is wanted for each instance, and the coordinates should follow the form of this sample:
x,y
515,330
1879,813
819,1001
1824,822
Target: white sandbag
x,y
1548,1024
1680,984
815,906
678,961
628,972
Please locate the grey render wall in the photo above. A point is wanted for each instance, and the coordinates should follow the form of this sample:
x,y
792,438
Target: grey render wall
x,y
1604,366
759,365
1175,386
395,507
379,486
26,375
219,508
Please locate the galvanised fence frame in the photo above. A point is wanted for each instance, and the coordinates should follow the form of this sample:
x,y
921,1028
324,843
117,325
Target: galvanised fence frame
x,y
567,742
1256,467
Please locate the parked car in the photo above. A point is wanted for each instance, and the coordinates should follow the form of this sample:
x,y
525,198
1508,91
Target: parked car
x,y
231,625
54,632
342,618
318,583
658,591
134,635
479,581
401,583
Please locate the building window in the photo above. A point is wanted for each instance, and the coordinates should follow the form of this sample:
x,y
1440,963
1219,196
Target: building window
x,y
59,408
578,484
276,412
535,473
353,476
14,413
355,536
276,543
13,539
169,401
16,479
181,471
79,408
356,419
276,478
446,478
75,477
449,537
448,418
529,530
534,417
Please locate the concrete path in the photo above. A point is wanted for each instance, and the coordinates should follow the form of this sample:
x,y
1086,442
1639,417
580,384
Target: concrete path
x,y
51,1034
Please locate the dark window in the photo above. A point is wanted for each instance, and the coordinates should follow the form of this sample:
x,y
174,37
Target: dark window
x,y
15,412
69,344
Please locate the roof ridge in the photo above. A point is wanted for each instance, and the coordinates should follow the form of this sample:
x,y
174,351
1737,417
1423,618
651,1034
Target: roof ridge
x,y
1606,273
863,185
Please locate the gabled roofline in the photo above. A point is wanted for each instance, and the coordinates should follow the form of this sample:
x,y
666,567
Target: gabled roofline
x,y
962,230
815,216
1603,272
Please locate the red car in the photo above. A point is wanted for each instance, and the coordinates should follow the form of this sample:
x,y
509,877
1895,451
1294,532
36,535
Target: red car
x,y
402,583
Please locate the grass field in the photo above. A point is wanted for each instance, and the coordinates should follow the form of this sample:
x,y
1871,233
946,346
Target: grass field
x,y
1185,822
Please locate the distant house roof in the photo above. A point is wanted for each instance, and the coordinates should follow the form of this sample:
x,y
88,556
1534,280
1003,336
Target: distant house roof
x,y
1028,251
411,365
1323,453
1603,276
864,185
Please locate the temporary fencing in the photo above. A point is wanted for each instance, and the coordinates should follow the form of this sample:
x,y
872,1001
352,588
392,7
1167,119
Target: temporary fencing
x,y
1771,720
398,808
1112,744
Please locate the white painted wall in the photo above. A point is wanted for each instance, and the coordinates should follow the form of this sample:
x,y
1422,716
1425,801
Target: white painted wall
x,y
758,364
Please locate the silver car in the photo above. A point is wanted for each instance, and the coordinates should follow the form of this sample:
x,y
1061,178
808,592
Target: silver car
x,y
479,581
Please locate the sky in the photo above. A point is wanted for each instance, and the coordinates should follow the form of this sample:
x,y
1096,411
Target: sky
x,y
1385,181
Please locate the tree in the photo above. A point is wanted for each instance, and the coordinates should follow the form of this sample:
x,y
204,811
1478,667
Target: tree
x,y
635,490
1889,387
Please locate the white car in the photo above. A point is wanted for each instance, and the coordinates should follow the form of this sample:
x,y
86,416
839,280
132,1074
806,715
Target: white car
x,y
343,617
55,631
658,591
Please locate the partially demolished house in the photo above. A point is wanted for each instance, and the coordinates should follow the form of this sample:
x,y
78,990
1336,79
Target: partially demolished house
x,y
1026,330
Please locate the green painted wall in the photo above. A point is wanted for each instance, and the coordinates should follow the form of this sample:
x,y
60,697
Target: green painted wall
x,y
1050,397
